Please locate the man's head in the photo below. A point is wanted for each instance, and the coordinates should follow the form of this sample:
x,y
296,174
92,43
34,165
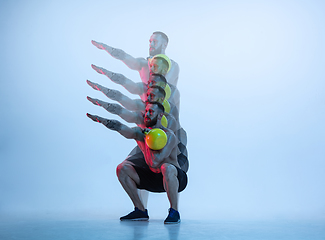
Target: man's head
x,y
153,111
157,43
157,80
156,94
160,64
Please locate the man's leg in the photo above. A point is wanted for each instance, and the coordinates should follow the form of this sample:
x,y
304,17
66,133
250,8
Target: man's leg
x,y
144,195
128,178
136,158
171,184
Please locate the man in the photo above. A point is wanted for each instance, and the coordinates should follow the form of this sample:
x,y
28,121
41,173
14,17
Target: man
x,y
137,104
154,93
159,64
157,45
161,172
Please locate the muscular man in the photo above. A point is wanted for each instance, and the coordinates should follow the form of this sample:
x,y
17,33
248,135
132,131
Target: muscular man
x,y
161,172
159,64
137,104
154,93
157,45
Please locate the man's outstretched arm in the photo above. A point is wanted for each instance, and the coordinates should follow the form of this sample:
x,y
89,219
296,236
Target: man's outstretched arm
x,y
129,116
129,85
131,62
125,131
128,103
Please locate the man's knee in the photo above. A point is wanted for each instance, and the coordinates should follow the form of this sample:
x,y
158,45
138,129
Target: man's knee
x,y
168,170
123,168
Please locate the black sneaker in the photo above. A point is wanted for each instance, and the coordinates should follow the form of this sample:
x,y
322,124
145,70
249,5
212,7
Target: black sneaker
x,y
136,215
173,217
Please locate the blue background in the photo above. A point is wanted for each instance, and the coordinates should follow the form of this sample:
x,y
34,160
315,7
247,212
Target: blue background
x,y
252,103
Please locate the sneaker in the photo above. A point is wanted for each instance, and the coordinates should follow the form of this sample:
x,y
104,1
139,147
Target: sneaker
x,y
173,217
136,215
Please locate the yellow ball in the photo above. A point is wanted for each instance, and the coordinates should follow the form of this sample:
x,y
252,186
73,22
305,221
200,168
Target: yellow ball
x,y
166,106
168,91
164,121
156,139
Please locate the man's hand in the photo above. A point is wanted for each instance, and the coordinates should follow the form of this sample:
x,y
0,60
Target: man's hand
x,y
145,130
96,118
102,70
99,45
114,52
111,124
110,107
110,93
95,86
115,77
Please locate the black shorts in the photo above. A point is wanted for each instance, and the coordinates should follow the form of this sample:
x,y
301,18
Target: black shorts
x,y
137,160
153,182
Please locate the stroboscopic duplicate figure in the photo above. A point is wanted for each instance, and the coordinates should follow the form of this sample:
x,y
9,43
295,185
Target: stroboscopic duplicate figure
x,y
161,172
157,45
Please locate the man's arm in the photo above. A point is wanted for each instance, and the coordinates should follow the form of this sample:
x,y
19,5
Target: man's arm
x,y
131,62
125,131
154,158
129,116
166,151
128,103
129,85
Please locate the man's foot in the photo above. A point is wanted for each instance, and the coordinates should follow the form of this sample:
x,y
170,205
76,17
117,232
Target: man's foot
x,y
136,215
173,217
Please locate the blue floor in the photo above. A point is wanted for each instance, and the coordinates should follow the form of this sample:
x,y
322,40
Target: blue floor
x,y
155,229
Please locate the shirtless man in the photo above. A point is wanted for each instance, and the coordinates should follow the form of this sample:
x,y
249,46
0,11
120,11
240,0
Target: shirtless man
x,y
159,64
161,173
137,104
157,45
154,93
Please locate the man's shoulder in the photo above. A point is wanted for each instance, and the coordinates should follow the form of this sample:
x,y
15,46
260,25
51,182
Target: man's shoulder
x,y
137,129
141,85
142,61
